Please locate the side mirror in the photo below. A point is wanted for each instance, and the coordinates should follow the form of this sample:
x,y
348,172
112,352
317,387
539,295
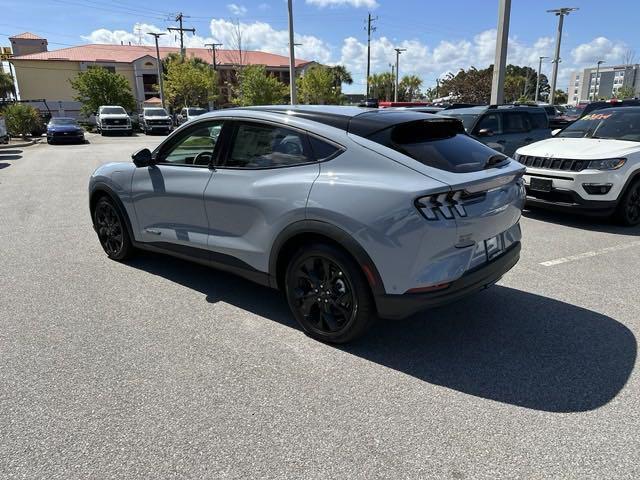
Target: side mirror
x,y
485,132
555,132
142,158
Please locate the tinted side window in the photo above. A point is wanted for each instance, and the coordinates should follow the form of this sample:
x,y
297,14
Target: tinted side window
x,y
323,150
256,145
539,120
490,121
516,122
442,145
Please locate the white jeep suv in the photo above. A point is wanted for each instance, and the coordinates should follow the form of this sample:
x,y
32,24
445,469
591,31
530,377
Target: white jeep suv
x,y
592,166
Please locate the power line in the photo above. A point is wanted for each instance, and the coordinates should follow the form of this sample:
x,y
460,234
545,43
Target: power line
x,y
179,18
369,30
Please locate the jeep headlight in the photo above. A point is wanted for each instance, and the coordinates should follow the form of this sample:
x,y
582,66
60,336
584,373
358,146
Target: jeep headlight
x,y
607,164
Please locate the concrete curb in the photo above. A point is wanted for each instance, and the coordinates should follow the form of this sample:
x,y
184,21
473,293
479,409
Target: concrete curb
x,y
19,145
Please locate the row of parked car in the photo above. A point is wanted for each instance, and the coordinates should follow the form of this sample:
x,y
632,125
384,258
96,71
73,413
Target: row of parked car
x,y
115,119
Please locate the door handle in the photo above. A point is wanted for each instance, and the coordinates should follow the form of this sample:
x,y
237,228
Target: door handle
x,y
152,231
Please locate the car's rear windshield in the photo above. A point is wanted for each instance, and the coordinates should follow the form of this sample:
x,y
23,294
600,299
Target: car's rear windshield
x,y
155,112
62,121
194,112
113,110
616,124
467,119
441,144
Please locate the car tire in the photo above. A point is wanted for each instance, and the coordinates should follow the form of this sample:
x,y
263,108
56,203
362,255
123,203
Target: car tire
x,y
628,208
112,231
328,294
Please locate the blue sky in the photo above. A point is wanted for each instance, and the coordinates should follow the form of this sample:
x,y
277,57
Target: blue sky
x,y
440,36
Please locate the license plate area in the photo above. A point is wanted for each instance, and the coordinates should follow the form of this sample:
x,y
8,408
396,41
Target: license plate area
x,y
540,184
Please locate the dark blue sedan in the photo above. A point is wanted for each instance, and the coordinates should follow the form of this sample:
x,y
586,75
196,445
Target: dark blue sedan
x,y
63,129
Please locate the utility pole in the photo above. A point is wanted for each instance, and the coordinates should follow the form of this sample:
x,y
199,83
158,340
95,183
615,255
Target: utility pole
x,y
213,53
560,13
393,80
369,30
179,18
596,87
159,65
500,62
538,82
398,52
292,57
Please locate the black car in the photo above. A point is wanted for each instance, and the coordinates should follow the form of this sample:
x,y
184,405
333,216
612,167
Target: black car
x,y
593,106
504,128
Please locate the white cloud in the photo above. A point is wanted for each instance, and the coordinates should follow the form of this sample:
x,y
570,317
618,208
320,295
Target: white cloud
x,y
428,61
340,3
599,48
237,10
262,36
138,36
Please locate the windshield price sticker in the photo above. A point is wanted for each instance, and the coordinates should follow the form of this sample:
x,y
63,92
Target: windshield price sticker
x,y
597,116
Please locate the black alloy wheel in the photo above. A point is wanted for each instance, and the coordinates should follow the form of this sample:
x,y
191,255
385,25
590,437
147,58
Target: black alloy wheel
x,y
111,230
629,208
328,294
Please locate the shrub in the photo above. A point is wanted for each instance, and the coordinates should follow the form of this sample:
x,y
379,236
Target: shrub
x,y
21,119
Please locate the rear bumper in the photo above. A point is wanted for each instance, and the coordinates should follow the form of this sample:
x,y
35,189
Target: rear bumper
x,y
562,200
401,306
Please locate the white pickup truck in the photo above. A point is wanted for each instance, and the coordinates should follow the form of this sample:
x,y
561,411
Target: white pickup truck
x,y
113,118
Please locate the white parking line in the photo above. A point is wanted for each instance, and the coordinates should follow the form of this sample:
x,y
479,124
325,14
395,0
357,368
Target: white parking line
x,y
593,253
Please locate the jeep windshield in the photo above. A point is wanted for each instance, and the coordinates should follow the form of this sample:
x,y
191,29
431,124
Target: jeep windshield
x,y
612,124
113,111
155,112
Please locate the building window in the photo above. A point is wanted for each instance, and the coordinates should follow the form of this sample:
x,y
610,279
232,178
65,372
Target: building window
x,y
150,82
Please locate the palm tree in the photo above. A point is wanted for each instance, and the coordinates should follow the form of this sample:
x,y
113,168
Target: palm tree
x,y
6,85
410,86
341,75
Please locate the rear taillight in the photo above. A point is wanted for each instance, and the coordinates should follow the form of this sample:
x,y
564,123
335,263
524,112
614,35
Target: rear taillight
x,y
441,205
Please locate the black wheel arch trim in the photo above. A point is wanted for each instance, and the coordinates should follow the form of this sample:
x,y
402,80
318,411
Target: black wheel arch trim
x,y
334,233
633,177
103,188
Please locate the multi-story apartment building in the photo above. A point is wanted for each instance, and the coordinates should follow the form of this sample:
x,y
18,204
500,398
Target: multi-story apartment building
x,y
43,74
584,86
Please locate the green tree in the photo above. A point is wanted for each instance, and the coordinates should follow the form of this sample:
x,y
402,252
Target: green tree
x,y
409,88
625,92
341,75
21,119
318,86
98,86
381,86
189,83
560,97
6,85
255,87
468,86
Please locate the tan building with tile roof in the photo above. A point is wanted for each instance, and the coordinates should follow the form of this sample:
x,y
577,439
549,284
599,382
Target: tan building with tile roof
x,y
44,74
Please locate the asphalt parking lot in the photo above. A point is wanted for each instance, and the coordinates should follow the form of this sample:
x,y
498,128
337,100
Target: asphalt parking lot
x,y
161,369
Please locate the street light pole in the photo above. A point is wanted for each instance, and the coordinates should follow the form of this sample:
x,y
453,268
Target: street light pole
x,y
560,13
499,65
398,52
159,65
538,82
292,58
596,87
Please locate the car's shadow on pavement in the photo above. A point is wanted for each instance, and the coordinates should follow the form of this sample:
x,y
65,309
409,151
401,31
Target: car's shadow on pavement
x,y
595,224
501,344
